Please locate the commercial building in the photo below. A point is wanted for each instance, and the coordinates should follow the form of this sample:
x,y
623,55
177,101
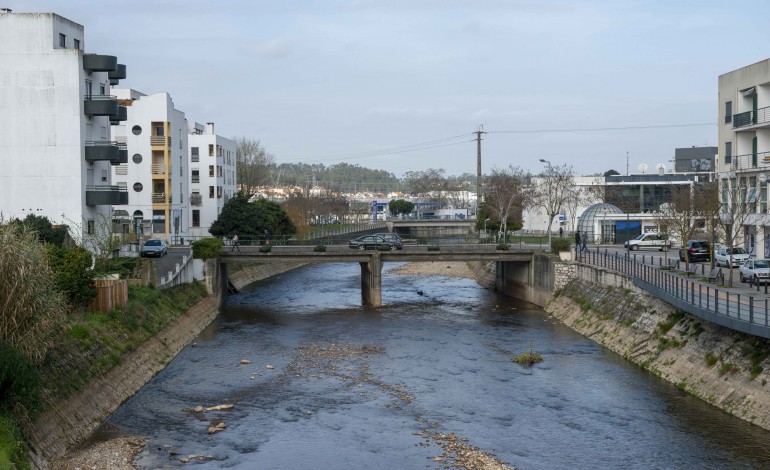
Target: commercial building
x,y
212,176
56,107
744,142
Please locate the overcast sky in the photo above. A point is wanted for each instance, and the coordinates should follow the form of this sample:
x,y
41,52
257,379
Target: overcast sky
x,y
345,80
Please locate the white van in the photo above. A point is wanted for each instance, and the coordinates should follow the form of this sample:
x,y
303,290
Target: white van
x,y
649,240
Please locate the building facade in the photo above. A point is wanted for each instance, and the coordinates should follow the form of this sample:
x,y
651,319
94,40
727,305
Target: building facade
x,y
744,143
212,176
156,174
56,108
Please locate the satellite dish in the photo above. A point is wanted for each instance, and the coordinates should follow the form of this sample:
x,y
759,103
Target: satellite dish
x,y
643,168
762,177
661,167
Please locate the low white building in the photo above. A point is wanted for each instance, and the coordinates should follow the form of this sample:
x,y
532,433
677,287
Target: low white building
x,y
156,175
56,151
212,176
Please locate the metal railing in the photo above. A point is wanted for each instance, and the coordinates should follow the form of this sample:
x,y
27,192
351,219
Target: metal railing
x,y
738,311
159,169
750,118
160,141
750,160
160,198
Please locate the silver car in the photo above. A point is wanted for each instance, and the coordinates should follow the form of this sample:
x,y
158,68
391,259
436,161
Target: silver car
x,y
722,256
154,247
755,271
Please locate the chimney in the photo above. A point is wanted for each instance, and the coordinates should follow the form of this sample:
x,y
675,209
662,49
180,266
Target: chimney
x,y
210,128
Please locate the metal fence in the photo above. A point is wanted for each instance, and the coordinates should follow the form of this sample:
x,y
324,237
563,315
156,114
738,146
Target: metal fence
x,y
738,311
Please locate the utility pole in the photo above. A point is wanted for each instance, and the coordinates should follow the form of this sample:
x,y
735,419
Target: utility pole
x,y
479,192
628,171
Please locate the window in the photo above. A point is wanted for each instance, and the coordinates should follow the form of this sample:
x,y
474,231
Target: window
x,y
103,134
196,218
63,43
219,191
211,170
196,177
102,89
91,226
138,187
77,43
728,152
136,130
728,112
137,158
105,176
159,130
88,89
194,155
211,150
219,171
211,192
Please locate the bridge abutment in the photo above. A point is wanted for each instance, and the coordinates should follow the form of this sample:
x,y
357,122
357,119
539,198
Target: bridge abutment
x,y
371,281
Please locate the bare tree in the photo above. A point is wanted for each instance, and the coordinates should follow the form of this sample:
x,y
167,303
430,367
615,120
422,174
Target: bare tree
x,y
737,204
557,186
677,217
253,164
504,196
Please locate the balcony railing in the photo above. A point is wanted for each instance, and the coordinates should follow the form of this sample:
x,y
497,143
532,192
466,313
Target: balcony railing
x,y
100,63
160,141
751,118
195,179
750,160
101,105
106,150
159,169
121,115
106,195
117,75
161,198
121,170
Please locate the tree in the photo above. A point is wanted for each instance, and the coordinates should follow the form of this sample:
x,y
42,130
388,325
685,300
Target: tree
x,y
428,181
558,184
45,230
610,173
678,217
504,196
253,164
251,219
737,204
400,206
71,268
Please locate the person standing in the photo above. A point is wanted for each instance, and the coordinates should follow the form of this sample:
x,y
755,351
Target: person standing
x,y
561,232
267,237
577,241
583,240
236,243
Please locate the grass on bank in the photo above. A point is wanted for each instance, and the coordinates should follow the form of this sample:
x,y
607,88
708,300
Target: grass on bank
x,y
13,448
95,342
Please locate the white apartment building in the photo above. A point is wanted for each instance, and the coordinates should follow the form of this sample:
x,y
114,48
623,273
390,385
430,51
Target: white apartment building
x,y
212,176
56,151
156,174
744,142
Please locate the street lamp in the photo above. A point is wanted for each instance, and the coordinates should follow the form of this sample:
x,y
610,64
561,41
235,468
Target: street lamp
x,y
542,160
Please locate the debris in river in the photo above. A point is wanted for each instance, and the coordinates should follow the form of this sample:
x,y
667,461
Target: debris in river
x,y
226,406
245,361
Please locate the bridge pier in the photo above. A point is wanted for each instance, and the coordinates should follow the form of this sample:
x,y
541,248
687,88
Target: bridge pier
x,y
371,281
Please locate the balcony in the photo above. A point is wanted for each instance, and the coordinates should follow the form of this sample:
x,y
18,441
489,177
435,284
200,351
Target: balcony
x,y
161,198
117,75
196,199
750,120
101,105
159,169
121,115
160,141
106,195
106,150
100,63
750,161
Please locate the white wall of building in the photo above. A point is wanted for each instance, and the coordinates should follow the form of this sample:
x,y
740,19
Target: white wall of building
x,y
43,128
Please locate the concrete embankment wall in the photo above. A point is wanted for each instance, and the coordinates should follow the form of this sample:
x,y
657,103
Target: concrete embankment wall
x,y
74,419
533,281
706,360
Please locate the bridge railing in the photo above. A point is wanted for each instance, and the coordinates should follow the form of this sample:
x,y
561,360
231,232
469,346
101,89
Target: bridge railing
x,y
738,311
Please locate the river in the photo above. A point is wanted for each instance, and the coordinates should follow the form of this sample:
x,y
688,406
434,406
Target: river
x,y
408,385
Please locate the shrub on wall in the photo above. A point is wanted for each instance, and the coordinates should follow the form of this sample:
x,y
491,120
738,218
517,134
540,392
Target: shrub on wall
x,y
206,248
72,273
559,244
320,248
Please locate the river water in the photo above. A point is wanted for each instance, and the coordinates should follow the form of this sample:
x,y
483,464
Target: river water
x,y
352,387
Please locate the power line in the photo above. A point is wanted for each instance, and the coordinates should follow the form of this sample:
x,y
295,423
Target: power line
x,y
601,129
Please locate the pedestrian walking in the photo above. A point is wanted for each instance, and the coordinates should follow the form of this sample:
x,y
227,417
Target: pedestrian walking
x,y
583,240
561,232
577,241
267,237
236,243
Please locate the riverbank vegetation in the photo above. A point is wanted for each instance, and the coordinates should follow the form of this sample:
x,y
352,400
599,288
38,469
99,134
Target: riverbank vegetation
x,y
50,345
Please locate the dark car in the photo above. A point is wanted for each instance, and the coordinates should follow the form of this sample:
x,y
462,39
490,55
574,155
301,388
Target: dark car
x,y
154,247
696,250
390,236
372,242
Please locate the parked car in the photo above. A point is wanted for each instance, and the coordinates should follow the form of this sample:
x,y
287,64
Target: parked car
x,y
696,250
154,247
390,236
649,240
755,271
372,242
722,256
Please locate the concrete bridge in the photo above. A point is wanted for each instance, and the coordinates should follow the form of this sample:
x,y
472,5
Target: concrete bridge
x,y
525,274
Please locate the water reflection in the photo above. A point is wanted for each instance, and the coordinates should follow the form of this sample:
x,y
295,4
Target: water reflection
x,y
329,402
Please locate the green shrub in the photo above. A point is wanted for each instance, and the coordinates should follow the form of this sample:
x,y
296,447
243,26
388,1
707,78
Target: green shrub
x,y
265,248
320,248
20,382
207,248
72,273
434,248
528,359
710,359
123,266
755,371
502,246
13,448
559,244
